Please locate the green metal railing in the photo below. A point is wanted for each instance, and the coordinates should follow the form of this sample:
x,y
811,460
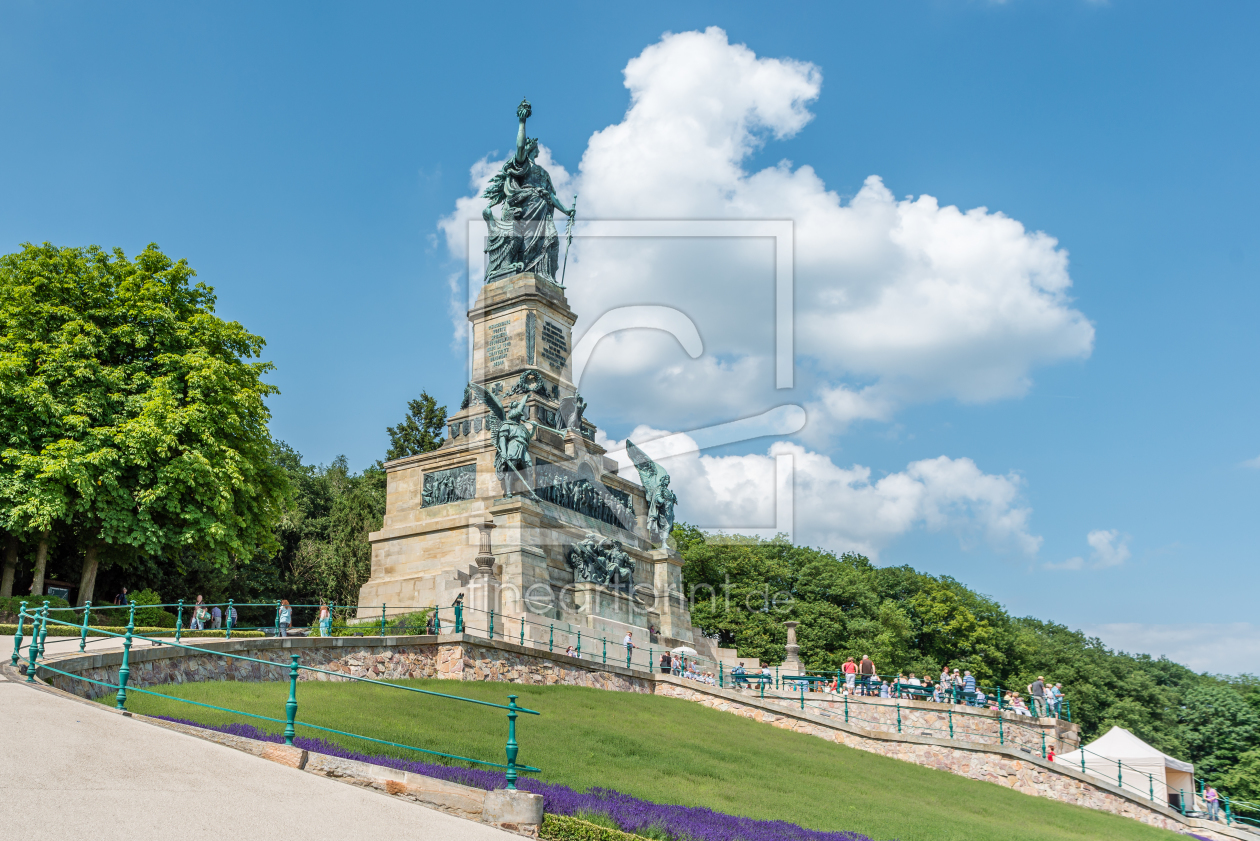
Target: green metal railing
x,y
39,631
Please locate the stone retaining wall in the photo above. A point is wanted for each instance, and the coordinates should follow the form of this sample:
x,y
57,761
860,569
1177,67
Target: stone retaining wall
x,y
455,658
967,724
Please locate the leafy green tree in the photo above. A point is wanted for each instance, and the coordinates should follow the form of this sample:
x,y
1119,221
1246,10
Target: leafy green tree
x,y
420,431
1218,726
1242,780
131,413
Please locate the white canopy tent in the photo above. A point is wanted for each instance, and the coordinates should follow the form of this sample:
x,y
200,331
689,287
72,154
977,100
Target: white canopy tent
x,y
1120,756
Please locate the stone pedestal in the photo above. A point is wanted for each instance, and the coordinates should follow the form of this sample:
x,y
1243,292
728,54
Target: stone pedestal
x,y
792,662
483,589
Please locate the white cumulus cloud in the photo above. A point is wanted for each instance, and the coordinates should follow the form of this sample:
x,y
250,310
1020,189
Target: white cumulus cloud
x,y
897,301
841,508
1109,548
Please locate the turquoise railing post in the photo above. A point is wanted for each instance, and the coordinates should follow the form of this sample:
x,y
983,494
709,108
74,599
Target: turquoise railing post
x,y
898,716
1120,774
290,706
459,618
87,610
1002,737
802,696
720,684
33,650
846,704
651,667
124,671
1082,760
551,638
437,620
179,621
605,650
763,690
951,722
491,623
277,617
522,630
1043,744
229,619
382,619
1150,778
579,645
512,747
1182,798
17,638
1229,813
776,677
43,630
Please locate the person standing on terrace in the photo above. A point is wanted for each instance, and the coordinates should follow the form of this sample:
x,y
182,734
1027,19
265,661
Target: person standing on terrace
x,y
850,675
285,617
867,669
1037,693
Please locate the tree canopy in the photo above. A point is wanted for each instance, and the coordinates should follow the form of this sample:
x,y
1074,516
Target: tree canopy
x,y
131,414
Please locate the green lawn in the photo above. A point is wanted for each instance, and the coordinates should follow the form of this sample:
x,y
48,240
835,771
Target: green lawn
x,y
667,751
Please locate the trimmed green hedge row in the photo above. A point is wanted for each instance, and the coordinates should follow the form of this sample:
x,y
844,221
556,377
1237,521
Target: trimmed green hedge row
x,y
64,631
565,828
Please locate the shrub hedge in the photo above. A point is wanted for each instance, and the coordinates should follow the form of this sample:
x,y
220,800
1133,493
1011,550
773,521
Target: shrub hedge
x,y
565,828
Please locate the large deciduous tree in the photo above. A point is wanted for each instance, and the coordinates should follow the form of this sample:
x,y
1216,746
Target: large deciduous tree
x,y
131,413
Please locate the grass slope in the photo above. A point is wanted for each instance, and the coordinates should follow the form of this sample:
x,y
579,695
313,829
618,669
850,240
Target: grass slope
x,y
667,751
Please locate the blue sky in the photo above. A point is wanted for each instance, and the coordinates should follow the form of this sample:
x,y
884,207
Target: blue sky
x,y
302,157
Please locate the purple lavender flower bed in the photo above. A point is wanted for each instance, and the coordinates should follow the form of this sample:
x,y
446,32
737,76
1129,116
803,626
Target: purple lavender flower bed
x,y
685,823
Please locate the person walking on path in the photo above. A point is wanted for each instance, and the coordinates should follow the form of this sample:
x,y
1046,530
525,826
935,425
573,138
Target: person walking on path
x,y
628,642
1213,803
286,617
325,619
665,662
121,598
197,624
216,618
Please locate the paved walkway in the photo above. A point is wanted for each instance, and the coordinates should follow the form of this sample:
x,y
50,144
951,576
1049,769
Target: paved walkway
x,y
72,768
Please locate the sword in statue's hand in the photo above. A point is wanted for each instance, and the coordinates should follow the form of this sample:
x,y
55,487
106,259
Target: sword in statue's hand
x,y
568,241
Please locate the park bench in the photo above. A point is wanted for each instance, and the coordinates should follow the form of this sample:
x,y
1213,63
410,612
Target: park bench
x,y
750,680
913,691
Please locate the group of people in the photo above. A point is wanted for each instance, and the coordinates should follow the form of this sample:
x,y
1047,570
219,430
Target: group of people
x,y
674,663
957,686
211,617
